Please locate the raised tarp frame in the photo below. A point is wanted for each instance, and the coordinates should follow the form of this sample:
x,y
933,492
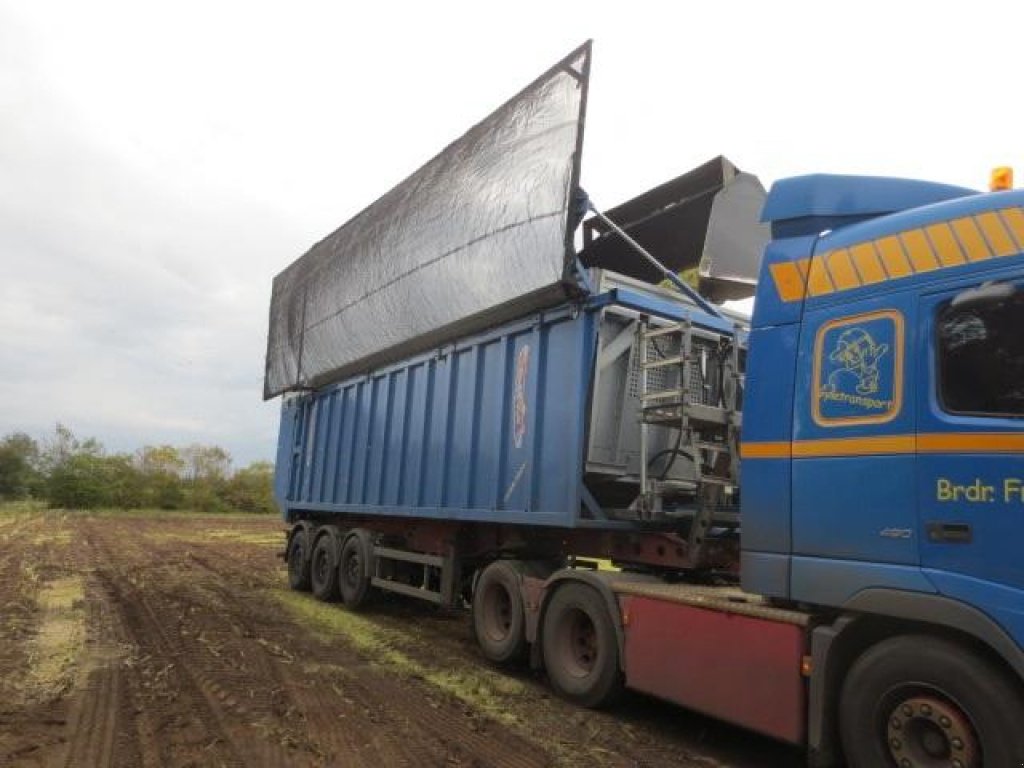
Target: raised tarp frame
x,y
478,235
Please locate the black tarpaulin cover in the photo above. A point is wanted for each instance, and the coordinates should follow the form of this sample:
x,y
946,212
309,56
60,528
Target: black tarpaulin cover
x,y
477,235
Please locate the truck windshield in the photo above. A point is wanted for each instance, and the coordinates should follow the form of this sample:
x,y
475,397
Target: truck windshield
x,y
981,357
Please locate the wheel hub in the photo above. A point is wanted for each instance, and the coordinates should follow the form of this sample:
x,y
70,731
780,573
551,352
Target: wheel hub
x,y
353,569
583,643
296,557
930,732
497,613
322,565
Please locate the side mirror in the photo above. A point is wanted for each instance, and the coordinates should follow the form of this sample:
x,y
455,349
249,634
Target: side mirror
x,y
987,293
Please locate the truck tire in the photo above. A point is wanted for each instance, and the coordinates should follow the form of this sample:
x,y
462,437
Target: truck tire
x,y
353,582
580,649
298,560
324,570
499,622
923,701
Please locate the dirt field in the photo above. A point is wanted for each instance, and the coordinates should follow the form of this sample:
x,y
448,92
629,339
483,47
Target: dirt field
x,y
145,641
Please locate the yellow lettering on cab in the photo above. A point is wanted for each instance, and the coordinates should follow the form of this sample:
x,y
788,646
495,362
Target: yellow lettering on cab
x,y
973,493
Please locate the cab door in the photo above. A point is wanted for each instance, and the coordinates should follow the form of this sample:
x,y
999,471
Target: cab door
x,y
971,440
854,505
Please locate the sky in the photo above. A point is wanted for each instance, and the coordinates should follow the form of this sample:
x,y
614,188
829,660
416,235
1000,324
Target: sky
x,y
161,162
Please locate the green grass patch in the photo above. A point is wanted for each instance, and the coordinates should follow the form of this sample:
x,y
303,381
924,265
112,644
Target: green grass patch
x,y
201,536
260,539
173,514
60,537
14,509
484,689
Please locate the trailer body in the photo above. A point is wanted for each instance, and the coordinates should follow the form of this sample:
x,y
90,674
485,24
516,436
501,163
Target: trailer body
x,y
505,426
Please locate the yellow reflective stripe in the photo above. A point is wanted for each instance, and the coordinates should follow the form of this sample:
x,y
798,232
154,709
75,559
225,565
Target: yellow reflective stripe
x,y
935,442
854,446
893,258
818,282
844,277
919,250
867,263
971,239
996,234
781,450
936,246
1014,220
971,442
945,243
789,281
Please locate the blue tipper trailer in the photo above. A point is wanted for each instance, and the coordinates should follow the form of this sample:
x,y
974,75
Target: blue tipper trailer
x,y
811,514
490,428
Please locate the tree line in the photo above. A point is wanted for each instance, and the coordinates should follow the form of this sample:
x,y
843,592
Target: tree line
x,y
73,473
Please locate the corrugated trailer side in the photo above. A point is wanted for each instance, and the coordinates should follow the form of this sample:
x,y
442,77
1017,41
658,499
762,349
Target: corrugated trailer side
x,y
459,434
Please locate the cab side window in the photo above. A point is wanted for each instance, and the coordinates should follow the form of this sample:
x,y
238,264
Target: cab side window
x,y
981,355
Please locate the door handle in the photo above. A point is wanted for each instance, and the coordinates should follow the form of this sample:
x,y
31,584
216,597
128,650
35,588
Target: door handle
x,y
949,533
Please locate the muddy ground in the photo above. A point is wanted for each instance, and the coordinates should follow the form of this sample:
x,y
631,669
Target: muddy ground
x,y
153,640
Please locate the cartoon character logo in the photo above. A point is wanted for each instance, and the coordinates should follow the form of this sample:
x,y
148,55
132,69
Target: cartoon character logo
x,y
519,405
857,355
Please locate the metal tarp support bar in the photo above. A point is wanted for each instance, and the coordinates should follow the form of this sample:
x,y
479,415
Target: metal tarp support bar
x,y
666,273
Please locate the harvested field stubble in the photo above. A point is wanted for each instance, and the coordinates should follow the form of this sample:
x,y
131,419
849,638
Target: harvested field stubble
x,y
145,640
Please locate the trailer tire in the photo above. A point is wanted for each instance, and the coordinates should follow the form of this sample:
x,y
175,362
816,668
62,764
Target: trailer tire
x,y
499,621
920,700
323,567
580,647
298,560
353,581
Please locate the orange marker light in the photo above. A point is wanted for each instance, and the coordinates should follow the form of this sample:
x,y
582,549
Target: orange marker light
x,y
806,666
1001,179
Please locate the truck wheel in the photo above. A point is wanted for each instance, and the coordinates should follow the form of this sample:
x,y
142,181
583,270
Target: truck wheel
x,y
324,572
352,579
581,652
298,561
919,701
499,622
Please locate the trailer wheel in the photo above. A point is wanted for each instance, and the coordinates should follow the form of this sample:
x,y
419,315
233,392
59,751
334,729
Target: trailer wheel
x,y
324,573
919,701
499,622
580,648
298,561
352,579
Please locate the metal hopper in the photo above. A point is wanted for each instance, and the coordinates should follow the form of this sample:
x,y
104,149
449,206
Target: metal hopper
x,y
706,219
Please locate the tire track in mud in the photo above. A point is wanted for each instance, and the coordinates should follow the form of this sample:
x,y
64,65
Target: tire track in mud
x,y
294,714
598,738
65,710
190,661
94,715
298,710
456,735
180,704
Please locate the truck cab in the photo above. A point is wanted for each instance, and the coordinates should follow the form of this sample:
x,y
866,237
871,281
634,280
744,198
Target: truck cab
x,y
884,421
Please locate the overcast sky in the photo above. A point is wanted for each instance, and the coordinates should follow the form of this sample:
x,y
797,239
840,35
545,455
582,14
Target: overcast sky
x,y
160,163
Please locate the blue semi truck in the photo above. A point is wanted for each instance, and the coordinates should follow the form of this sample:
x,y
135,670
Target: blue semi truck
x,y
812,513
